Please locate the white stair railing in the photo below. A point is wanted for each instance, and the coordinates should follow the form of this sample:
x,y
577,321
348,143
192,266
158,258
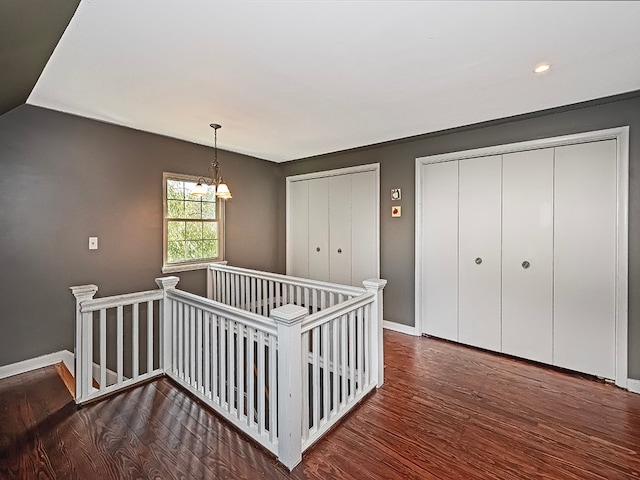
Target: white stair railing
x,y
100,357
283,373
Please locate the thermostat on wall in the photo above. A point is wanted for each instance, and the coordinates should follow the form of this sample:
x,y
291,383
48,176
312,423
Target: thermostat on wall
x,y
396,211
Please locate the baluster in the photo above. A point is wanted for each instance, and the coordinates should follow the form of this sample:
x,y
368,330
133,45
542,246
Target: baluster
x,y
344,342
199,348
135,343
240,366
360,347
306,401
180,322
273,388
265,298
251,371
336,363
315,389
119,344
150,336
103,349
325,371
206,330
217,350
352,354
367,344
314,300
230,366
262,384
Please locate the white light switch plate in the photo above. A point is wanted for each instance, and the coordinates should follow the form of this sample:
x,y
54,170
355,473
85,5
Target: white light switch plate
x,y
93,243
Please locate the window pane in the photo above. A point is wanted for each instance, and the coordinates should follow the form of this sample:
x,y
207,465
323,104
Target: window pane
x,y
210,230
209,210
175,209
175,230
175,252
193,250
193,231
210,248
192,209
175,189
210,195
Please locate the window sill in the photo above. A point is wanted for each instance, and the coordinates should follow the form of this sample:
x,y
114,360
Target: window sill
x,y
186,268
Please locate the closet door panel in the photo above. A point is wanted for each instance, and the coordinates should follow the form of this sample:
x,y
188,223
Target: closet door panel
x,y
439,245
527,236
319,229
340,229
479,252
299,229
585,257
364,220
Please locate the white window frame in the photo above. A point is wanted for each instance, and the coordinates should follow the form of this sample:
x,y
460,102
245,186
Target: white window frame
x,y
195,264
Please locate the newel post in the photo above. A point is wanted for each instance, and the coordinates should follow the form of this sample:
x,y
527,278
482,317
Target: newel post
x,y
376,286
84,340
166,284
289,321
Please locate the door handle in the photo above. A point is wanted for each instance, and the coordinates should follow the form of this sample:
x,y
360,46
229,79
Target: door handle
x,y
478,261
525,264
317,249
339,250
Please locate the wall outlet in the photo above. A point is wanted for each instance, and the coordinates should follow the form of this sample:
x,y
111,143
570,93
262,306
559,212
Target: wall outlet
x,y
93,243
396,211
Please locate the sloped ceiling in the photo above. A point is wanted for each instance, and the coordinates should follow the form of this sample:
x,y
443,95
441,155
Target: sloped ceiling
x,y
29,31
293,79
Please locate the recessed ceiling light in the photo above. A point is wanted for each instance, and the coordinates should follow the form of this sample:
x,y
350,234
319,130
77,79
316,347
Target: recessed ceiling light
x,y
542,67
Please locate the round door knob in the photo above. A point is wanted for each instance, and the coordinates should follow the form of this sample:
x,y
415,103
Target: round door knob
x,y
478,261
317,249
339,250
525,264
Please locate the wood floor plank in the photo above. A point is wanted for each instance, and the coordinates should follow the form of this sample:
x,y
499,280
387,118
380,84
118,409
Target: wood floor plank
x,y
445,412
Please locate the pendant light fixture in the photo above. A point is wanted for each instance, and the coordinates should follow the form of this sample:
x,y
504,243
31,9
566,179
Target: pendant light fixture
x,y
221,188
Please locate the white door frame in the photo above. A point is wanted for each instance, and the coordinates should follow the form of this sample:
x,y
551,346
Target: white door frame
x,y
372,167
621,135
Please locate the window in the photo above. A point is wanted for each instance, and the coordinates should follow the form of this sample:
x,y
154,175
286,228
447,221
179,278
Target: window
x,y
193,226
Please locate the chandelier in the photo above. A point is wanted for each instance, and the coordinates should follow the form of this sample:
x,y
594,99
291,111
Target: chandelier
x,y
215,179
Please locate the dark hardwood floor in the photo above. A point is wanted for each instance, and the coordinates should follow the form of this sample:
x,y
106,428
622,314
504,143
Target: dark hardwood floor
x,y
445,412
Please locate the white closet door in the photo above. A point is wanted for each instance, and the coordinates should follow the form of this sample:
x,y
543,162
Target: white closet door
x,y
364,221
527,236
340,229
318,229
439,228
479,252
585,257
299,229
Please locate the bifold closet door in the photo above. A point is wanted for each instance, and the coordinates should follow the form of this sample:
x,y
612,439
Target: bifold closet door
x,y
479,262
340,250
527,254
299,231
364,221
318,223
585,229
439,246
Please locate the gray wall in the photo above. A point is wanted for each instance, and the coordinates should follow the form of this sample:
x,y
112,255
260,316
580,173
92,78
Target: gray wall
x,y
397,161
65,178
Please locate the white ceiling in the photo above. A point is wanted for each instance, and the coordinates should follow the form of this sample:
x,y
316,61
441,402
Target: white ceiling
x,y
291,79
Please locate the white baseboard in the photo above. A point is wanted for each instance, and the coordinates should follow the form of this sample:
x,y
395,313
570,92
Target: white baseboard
x,y
633,385
33,363
399,327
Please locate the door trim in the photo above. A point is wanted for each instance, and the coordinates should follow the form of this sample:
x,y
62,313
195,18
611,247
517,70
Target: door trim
x,y
372,167
621,135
